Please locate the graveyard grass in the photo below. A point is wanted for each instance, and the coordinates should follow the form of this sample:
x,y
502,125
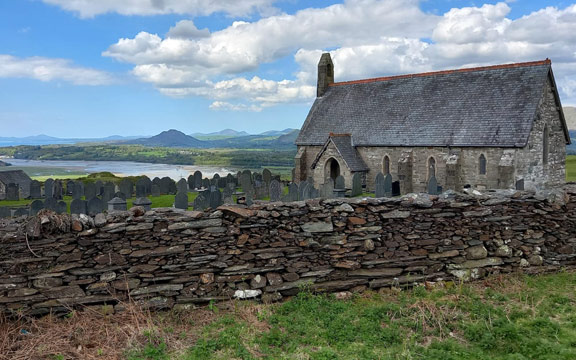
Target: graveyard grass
x,y
501,317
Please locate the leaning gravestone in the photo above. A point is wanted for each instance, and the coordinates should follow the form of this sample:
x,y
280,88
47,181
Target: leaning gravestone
x,y
12,192
181,200
356,185
144,202
95,206
89,191
78,206
197,180
215,198
5,212
275,190
292,192
182,186
117,204
21,212
327,190
35,190
379,186
201,202
432,186
48,188
61,207
155,190
126,187
36,206
51,204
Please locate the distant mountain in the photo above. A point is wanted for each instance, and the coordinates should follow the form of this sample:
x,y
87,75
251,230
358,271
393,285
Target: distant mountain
x,y
277,132
288,138
170,138
225,132
51,140
570,116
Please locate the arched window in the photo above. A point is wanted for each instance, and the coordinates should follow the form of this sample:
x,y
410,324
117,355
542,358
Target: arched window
x,y
545,145
431,168
482,164
386,165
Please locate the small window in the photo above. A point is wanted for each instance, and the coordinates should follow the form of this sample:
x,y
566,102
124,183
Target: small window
x,y
386,165
545,145
482,165
431,168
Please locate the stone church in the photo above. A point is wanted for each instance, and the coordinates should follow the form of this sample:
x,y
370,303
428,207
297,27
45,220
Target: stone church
x,y
494,127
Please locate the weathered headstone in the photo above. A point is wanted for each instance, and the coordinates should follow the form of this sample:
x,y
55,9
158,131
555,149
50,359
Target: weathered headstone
x,y
215,198
396,188
109,191
197,180
388,185
260,190
222,182
181,200
48,188
120,194
327,189
227,196
145,180
215,180
89,190
249,200
304,190
95,206
432,186
190,182
230,180
117,204
12,192
36,206
5,212
70,187
78,190
356,185
126,187
266,176
21,212
201,202
314,193
155,190
144,202
379,185
246,182
57,192
141,188
99,187
78,206
35,189
172,189
205,183
520,184
182,186
61,207
164,184
51,204
292,192
339,187
275,190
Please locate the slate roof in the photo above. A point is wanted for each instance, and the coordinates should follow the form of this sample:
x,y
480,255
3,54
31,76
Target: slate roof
x,y
488,106
344,146
14,176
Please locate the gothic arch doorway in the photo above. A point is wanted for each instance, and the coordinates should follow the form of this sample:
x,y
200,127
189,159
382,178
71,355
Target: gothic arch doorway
x,y
332,169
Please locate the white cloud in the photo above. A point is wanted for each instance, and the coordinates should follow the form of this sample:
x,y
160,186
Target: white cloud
x,y
186,29
50,69
91,8
226,106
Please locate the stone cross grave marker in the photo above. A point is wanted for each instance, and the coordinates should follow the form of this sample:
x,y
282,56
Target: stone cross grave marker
x,y
78,206
35,190
36,206
275,190
95,206
356,185
48,188
12,192
181,200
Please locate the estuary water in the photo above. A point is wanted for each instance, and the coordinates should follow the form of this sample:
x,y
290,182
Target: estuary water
x,y
119,168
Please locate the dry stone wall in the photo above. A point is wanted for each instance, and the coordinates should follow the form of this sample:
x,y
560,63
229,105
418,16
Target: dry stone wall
x,y
167,257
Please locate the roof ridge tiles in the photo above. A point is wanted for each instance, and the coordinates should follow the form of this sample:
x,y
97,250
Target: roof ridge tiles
x,y
444,72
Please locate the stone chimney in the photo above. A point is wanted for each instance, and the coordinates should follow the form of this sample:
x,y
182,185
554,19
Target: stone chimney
x,y
325,74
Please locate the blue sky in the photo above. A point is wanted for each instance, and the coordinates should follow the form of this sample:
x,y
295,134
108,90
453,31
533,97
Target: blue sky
x,y
94,68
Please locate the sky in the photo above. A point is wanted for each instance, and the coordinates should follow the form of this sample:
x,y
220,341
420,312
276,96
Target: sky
x,y
96,68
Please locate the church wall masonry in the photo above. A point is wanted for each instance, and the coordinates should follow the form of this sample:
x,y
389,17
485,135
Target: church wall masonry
x,y
168,258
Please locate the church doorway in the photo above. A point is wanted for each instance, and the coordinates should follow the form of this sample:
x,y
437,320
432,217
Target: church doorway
x,y
332,169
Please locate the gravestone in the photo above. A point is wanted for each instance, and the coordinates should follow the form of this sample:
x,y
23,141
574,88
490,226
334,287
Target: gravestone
x,y
260,190
304,191
227,196
182,186
246,182
292,192
144,202
201,202
145,180
172,189
215,180
275,190
35,189
190,182
267,176
95,206
379,185
388,185
205,183
215,198
339,187
89,190
99,187
78,190
126,187
48,188
5,212
120,195
12,192
70,187
181,200
61,207
520,184
78,206
117,204
197,180
164,185
314,193
248,200
21,212
155,181
432,186
141,190
222,182
356,185
57,192
396,188
328,189
230,180
36,206
155,190
109,191
51,204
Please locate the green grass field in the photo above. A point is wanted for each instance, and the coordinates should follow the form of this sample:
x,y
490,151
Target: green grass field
x,y
571,168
